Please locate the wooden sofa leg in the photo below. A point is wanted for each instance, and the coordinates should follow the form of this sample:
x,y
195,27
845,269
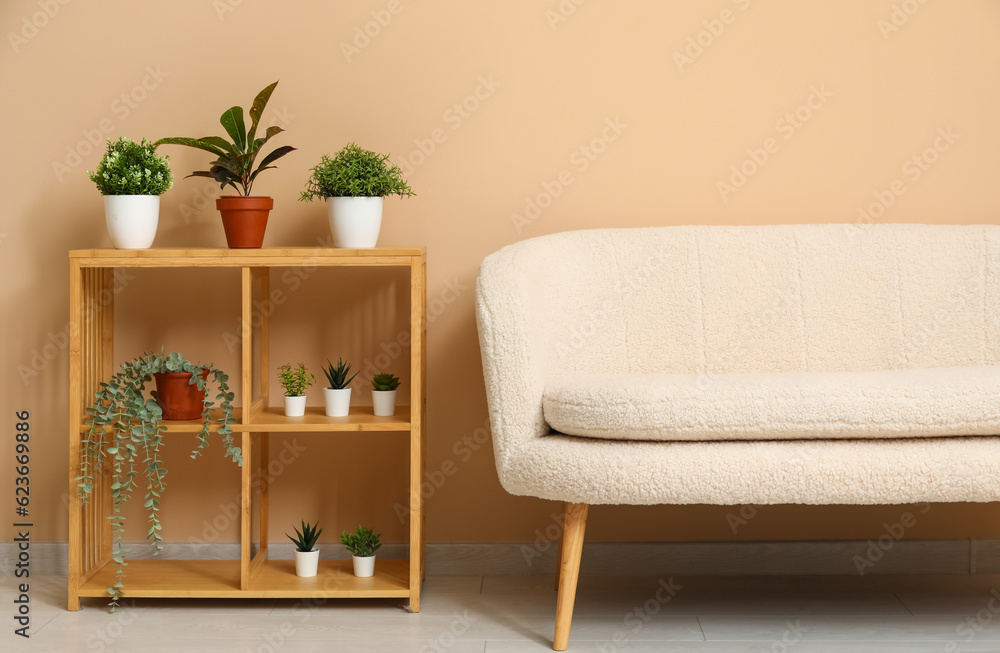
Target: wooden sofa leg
x,y
559,554
575,523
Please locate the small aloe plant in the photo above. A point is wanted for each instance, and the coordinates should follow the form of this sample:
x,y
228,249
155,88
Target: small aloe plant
x,y
385,381
305,540
337,376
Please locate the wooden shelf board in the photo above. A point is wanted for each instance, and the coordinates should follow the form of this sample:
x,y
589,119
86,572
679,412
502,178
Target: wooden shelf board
x,y
334,578
277,579
192,425
195,257
362,418
169,578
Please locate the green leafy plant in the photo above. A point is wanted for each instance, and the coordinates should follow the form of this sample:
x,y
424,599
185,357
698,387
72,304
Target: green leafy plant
x,y
337,376
295,380
305,540
130,168
355,172
385,381
124,429
363,542
234,165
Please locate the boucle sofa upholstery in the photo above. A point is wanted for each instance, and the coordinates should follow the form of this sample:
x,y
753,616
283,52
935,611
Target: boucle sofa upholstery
x,y
707,333
814,364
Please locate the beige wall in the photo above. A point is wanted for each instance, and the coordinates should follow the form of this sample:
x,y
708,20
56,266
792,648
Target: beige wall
x,y
546,89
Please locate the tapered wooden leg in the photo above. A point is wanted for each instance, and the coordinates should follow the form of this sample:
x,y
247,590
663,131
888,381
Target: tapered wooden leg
x,y
575,517
559,556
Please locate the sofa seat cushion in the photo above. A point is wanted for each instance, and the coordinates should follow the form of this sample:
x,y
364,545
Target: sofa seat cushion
x,y
889,404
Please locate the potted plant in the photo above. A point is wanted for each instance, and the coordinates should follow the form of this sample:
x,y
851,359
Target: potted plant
x,y
362,543
384,387
306,553
338,395
131,177
124,428
244,216
295,381
354,183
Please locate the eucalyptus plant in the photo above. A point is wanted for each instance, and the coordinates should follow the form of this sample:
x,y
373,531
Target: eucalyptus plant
x,y
124,427
234,165
355,172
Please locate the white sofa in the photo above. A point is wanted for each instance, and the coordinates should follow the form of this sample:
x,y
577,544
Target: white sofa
x,y
811,364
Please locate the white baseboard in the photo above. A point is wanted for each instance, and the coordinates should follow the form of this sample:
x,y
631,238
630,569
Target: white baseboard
x,y
850,557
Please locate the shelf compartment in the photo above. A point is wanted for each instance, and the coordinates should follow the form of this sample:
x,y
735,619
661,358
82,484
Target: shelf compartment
x,y
276,579
169,579
362,418
334,578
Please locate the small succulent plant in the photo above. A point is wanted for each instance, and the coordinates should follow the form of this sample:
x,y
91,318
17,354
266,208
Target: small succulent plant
x,y
295,380
305,540
337,376
363,542
385,381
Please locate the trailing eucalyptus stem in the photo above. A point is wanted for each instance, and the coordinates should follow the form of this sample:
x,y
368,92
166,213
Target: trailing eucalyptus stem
x,y
124,428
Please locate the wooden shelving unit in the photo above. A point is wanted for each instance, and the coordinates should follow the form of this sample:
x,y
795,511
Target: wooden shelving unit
x,y
253,575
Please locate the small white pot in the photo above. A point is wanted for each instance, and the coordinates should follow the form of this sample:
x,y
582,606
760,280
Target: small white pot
x,y
384,402
338,402
295,406
364,567
132,220
355,221
306,563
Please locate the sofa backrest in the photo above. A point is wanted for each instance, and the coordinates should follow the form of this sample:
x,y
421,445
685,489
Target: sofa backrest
x,y
704,299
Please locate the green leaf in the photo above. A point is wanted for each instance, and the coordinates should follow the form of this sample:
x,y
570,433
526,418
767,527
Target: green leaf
x,y
257,110
191,142
220,142
232,121
274,156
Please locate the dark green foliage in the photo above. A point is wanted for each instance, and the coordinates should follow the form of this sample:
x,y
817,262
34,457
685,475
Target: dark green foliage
x,y
130,168
385,381
305,540
355,172
337,376
363,542
234,165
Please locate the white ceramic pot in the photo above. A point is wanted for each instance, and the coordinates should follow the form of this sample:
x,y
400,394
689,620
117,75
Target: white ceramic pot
x,y
364,567
132,220
355,221
306,563
295,406
338,402
384,402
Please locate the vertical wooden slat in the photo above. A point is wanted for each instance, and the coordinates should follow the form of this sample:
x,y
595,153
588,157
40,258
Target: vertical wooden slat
x,y
106,367
246,321
417,348
88,362
265,334
264,455
75,392
245,506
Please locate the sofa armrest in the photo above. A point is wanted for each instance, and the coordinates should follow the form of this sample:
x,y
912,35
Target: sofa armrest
x,y
513,360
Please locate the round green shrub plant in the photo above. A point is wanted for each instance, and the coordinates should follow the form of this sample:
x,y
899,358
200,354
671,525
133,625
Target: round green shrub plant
x,y
130,168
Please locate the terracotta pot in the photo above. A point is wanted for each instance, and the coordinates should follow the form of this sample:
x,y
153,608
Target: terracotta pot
x,y
177,397
244,219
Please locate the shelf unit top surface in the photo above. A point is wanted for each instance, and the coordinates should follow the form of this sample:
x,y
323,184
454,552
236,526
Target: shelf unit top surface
x,y
237,255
